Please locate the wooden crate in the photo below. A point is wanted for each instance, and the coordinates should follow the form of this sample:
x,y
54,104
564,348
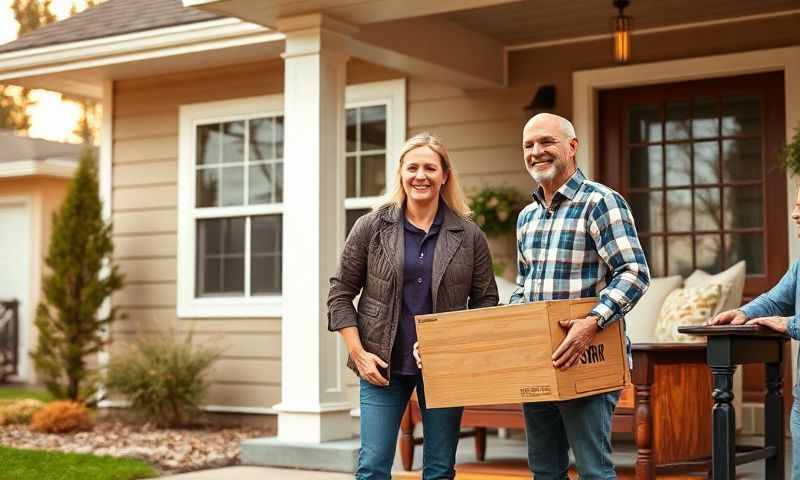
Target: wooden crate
x,y
503,354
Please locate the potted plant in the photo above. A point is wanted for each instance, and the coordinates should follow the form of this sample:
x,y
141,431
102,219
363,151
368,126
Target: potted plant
x,y
495,211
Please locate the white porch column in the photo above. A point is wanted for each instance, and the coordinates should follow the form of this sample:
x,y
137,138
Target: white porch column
x,y
313,405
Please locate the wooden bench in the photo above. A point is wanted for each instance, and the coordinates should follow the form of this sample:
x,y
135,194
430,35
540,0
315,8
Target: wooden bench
x,y
668,411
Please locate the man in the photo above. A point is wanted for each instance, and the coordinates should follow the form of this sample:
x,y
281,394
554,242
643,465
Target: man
x,y
576,239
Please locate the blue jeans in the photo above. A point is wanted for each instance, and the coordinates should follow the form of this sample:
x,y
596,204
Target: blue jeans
x,y
584,424
381,411
794,426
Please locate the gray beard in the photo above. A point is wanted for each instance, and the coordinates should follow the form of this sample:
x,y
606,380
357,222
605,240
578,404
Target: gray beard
x,y
547,176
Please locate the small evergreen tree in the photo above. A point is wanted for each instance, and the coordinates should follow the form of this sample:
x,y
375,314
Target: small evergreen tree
x,y
74,290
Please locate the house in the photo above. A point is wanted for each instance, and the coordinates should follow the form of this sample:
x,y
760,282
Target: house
x,y
34,175
241,139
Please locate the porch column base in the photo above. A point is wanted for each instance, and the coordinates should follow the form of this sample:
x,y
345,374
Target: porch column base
x,y
326,423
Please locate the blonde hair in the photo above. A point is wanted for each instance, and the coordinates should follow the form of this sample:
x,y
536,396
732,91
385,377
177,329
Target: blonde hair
x,y
451,190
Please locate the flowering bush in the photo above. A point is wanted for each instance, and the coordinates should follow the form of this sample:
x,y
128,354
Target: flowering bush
x,y
495,210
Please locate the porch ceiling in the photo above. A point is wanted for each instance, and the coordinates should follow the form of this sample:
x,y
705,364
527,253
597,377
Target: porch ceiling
x,y
531,21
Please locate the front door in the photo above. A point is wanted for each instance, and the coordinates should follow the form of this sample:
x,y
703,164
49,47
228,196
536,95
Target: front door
x,y
15,264
697,161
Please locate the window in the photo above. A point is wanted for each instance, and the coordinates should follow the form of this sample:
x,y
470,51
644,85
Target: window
x,y
230,212
232,179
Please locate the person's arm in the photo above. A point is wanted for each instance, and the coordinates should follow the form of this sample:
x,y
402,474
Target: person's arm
x,y
366,362
617,243
483,292
778,301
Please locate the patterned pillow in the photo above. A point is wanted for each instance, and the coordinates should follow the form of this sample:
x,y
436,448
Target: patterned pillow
x,y
686,306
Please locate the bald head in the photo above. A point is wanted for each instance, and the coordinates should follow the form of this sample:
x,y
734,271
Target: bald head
x,y
550,121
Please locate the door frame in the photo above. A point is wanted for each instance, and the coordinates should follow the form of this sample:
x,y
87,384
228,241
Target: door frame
x,y
585,105
26,310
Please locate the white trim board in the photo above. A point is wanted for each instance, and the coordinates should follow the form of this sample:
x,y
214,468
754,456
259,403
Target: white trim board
x,y
51,167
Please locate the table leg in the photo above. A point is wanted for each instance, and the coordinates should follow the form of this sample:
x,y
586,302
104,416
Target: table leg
x,y
645,465
406,440
774,422
480,443
724,424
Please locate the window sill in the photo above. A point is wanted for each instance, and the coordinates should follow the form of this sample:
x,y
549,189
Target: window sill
x,y
258,307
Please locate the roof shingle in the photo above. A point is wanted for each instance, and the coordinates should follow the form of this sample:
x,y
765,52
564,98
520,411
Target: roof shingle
x,y
109,18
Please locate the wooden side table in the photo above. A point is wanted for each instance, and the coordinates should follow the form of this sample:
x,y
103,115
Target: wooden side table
x,y
727,347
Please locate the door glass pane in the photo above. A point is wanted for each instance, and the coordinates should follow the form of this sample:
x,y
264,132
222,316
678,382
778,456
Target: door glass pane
x,y
373,175
749,248
646,167
232,186
233,142
351,176
706,163
266,248
742,159
353,215
208,139
707,214
262,142
261,176
709,253
678,124
654,252
648,211
373,128
705,120
679,255
645,124
741,116
679,210
207,187
679,165
743,207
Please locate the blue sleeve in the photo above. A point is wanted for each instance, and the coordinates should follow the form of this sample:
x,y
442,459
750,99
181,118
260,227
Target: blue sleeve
x,y
779,301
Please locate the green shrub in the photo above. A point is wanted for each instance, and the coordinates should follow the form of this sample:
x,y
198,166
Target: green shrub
x,y
165,379
18,411
495,210
790,154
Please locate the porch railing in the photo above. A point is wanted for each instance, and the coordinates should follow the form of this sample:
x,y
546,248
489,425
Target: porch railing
x,y
9,338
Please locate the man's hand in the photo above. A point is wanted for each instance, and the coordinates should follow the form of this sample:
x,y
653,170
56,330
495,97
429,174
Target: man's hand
x,y
367,364
579,337
416,355
779,324
729,317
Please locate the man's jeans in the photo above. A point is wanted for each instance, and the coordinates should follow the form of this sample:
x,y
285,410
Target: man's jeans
x,y
794,425
583,424
381,411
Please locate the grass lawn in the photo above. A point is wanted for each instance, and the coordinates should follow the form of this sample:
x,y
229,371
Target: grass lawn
x,y
17,393
41,465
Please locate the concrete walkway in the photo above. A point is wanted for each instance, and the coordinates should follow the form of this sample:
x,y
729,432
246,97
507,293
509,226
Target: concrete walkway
x,y
258,473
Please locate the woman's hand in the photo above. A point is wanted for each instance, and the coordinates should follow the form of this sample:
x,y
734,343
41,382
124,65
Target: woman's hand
x,y
367,364
416,355
729,317
773,323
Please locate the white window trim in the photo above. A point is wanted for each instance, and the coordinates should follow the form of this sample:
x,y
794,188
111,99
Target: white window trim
x,y
392,93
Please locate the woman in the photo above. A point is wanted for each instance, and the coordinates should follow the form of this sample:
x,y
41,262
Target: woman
x,y
416,254
777,309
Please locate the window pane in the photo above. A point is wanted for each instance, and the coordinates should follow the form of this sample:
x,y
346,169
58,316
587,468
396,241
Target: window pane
x,y
266,253
706,162
743,207
279,182
647,211
707,215
207,144
679,210
709,253
220,256
373,128
741,116
705,121
654,252
261,183
678,125
209,237
279,137
209,276
351,129
742,159
232,186
233,236
233,142
749,248
352,216
645,124
646,167
373,175
679,165
207,183
233,275
351,177
679,255
262,145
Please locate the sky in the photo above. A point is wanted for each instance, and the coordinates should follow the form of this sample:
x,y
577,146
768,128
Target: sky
x,y
50,117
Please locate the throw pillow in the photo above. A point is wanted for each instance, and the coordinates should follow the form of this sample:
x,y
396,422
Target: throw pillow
x,y
640,322
732,281
686,306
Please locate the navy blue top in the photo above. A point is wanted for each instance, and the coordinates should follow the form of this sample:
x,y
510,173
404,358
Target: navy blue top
x,y
417,296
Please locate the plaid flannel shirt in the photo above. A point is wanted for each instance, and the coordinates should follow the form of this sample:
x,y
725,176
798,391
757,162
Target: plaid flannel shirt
x,y
584,245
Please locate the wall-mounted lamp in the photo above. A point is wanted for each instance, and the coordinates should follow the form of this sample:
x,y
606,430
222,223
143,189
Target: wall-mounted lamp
x,y
622,33
543,101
